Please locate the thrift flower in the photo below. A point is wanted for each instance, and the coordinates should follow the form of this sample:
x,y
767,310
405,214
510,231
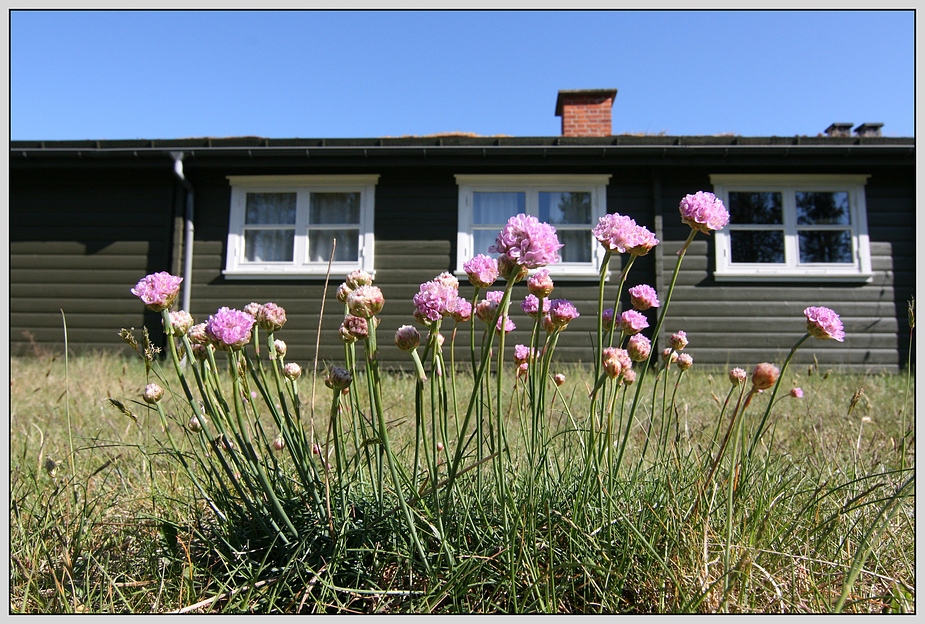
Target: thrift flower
x,y
796,393
765,375
639,347
559,378
824,324
486,308
628,376
482,271
462,311
703,212
342,291
365,301
448,279
153,393
526,242
619,233
180,322
280,347
292,371
508,325
158,291
338,378
669,356
561,313
737,376
252,308
407,338
434,301
271,317
540,284
358,278
278,444
197,334
678,341
685,361
194,424
354,328
633,322
531,306
643,297
229,328
611,362
607,318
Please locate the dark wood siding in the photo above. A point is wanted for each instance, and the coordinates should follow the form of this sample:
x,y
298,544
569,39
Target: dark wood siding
x,y
79,240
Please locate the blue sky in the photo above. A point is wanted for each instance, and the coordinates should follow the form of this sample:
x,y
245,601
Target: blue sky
x,y
163,75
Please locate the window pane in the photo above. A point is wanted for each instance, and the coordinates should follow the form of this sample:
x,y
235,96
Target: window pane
x,y
749,207
497,207
319,245
825,246
334,208
270,209
268,245
482,240
755,246
823,208
577,246
562,208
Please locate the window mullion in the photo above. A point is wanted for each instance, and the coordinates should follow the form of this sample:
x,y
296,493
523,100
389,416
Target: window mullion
x,y
791,239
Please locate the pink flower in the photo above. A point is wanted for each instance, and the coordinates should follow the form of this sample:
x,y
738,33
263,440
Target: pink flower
x,y
407,338
643,297
540,284
678,341
358,278
486,308
526,242
685,361
621,234
252,308
523,353
824,323
703,212
342,291
292,371
607,318
482,271
229,328
633,322
765,375
180,322
561,313
628,376
796,393
365,301
354,328
197,334
669,356
531,306
639,348
158,291
508,325
271,317
612,361
280,347
462,311
435,300
559,378
737,376
448,279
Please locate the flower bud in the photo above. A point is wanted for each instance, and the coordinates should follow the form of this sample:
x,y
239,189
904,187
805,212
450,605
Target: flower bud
x,y
271,317
338,378
342,291
669,356
737,376
278,444
407,338
685,361
639,348
251,308
292,371
612,362
194,424
280,347
358,278
678,341
153,393
765,375
796,393
180,322
540,284
365,301
559,379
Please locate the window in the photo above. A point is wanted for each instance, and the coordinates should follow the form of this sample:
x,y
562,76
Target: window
x,y
570,203
286,226
793,227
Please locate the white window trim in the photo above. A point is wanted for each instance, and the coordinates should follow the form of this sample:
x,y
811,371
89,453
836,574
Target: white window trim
x,y
532,184
792,270
302,185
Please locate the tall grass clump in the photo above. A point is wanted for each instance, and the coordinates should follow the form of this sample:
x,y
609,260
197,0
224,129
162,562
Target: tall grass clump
x,y
506,485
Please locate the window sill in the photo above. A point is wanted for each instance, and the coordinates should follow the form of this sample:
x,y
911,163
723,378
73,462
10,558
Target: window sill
x,y
277,274
570,276
790,276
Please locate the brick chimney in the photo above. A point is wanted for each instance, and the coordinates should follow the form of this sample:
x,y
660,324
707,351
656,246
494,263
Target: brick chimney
x,y
868,129
839,129
586,112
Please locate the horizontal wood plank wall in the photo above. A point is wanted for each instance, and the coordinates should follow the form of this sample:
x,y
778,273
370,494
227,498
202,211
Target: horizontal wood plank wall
x,y
79,241
733,324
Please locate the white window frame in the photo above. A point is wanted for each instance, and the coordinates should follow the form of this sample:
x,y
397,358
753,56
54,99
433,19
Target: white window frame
x,y
531,185
236,267
792,269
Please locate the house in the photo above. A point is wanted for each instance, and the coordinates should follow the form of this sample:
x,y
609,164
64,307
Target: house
x,y
824,220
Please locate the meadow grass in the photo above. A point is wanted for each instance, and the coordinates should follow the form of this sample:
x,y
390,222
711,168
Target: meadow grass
x,y
826,521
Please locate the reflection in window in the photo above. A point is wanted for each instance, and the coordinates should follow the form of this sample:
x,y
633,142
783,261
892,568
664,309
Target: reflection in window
x,y
757,208
822,208
264,239
757,246
825,246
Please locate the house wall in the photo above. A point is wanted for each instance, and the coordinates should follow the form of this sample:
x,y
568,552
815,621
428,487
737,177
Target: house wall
x,y
79,240
83,234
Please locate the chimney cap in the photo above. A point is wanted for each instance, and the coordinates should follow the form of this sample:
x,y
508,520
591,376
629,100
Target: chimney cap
x,y
566,93
839,128
868,129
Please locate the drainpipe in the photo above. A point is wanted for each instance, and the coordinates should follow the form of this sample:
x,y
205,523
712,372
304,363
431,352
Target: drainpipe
x,y
188,231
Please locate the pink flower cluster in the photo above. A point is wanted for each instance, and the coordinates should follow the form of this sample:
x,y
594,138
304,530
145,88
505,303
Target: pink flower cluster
x,y
617,363
531,305
486,308
632,322
482,271
824,324
703,212
229,328
561,313
643,297
434,301
158,291
525,242
540,284
523,355
270,317
619,233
